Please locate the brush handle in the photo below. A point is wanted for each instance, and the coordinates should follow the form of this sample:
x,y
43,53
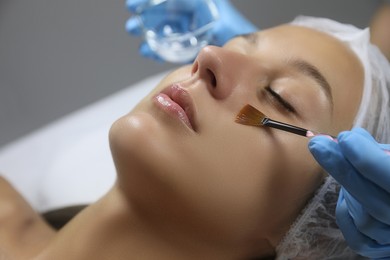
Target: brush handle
x,y
297,130
285,127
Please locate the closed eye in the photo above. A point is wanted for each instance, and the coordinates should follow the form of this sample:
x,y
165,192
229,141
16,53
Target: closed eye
x,y
282,102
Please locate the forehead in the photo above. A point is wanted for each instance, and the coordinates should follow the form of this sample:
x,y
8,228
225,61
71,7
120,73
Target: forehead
x,y
307,43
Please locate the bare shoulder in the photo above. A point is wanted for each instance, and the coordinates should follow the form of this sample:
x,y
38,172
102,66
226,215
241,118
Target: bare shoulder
x,y
23,232
13,207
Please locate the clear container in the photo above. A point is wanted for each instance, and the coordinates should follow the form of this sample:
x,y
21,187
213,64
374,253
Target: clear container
x,y
176,30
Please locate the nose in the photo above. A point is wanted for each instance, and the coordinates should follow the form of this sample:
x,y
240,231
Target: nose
x,y
219,69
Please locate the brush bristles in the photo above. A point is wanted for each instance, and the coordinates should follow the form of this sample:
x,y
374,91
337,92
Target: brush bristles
x,y
249,115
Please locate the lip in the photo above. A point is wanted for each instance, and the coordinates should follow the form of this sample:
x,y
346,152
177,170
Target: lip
x,y
178,103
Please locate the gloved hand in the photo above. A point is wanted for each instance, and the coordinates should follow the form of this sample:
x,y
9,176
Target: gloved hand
x,y
230,23
362,168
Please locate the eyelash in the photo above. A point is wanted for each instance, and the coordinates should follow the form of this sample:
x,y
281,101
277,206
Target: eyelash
x,y
283,103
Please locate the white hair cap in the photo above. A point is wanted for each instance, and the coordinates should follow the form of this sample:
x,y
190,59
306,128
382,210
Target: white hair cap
x,y
315,234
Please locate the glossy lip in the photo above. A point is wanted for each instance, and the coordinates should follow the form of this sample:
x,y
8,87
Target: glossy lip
x,y
177,102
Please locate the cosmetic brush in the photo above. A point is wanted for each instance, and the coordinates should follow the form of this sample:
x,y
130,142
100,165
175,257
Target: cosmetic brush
x,y
249,115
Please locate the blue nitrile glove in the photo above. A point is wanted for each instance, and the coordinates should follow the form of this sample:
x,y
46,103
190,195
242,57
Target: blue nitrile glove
x,y
230,23
362,168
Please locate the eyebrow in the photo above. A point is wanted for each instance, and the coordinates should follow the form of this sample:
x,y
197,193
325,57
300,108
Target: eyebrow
x,y
313,72
301,65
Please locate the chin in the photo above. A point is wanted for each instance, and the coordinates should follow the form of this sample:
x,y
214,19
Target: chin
x,y
140,153
140,142
133,136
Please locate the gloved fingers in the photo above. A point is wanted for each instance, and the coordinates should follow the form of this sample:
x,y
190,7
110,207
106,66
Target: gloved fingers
x,y
328,154
360,243
133,26
363,132
366,134
323,148
367,157
385,147
200,7
373,198
133,5
364,222
147,52
230,23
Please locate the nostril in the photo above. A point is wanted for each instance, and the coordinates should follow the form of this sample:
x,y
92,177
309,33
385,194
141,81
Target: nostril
x,y
195,67
213,79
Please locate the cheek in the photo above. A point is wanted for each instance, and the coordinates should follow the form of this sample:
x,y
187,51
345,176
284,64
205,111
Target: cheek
x,y
230,181
227,181
345,110
269,182
293,180
253,180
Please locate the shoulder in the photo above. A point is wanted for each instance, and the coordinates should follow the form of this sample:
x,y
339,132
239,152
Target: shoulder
x,y
22,230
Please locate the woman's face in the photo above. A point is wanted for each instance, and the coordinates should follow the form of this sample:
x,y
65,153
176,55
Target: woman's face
x,y
181,157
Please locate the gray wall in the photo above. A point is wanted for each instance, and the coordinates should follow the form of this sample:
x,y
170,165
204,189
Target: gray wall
x,y
57,56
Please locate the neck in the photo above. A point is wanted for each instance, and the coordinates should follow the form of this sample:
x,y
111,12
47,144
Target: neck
x,y
112,229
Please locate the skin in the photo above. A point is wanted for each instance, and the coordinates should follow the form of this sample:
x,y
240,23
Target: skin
x,y
221,190
380,34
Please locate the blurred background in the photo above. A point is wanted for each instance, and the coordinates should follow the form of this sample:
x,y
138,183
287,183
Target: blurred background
x,y
57,56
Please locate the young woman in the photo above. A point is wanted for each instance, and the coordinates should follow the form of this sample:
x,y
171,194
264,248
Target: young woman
x,y
192,183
